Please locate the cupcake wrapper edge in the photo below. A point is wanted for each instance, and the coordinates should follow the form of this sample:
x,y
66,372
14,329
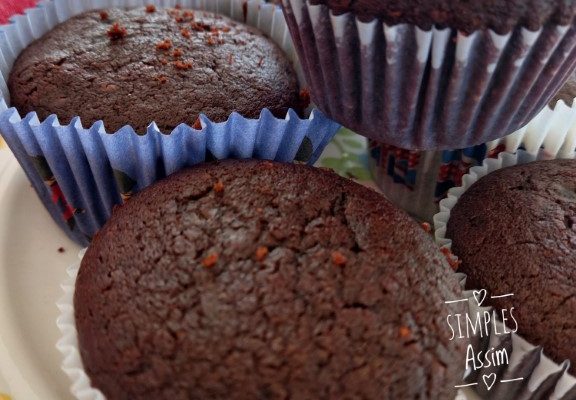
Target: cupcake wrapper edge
x,y
436,89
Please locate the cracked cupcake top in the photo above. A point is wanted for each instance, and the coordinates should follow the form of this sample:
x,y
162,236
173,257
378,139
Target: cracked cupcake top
x,y
259,280
515,232
465,15
152,64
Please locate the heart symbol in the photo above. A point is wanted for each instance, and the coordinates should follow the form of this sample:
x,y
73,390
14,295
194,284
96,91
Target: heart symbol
x,y
480,296
489,380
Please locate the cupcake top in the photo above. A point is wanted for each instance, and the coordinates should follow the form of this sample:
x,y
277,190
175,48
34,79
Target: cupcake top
x,y
259,280
515,232
567,93
151,64
464,15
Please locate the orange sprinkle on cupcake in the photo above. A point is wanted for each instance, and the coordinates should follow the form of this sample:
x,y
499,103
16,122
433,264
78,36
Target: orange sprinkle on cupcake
x,y
210,261
165,44
261,253
404,332
183,65
451,258
219,187
338,258
117,32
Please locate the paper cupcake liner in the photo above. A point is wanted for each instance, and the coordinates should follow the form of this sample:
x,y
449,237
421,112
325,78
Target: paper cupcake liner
x,y
68,342
542,378
436,89
418,180
81,173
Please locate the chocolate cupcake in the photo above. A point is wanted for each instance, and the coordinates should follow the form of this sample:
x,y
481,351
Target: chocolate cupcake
x,y
515,232
132,67
92,82
426,75
247,279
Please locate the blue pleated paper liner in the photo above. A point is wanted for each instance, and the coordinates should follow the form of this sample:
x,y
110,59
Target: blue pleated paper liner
x,y
80,173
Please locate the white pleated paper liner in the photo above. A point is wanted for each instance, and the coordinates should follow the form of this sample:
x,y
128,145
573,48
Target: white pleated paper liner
x,y
436,89
80,172
418,180
542,378
68,342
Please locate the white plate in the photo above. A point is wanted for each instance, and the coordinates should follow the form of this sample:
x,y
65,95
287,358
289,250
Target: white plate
x,y
31,270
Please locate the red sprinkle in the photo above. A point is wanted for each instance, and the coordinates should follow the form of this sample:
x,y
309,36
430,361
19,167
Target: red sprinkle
x,y
117,32
184,65
426,226
200,27
163,61
166,44
261,253
104,15
404,332
219,187
185,33
162,79
178,7
338,258
150,8
197,124
210,261
177,53
451,258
